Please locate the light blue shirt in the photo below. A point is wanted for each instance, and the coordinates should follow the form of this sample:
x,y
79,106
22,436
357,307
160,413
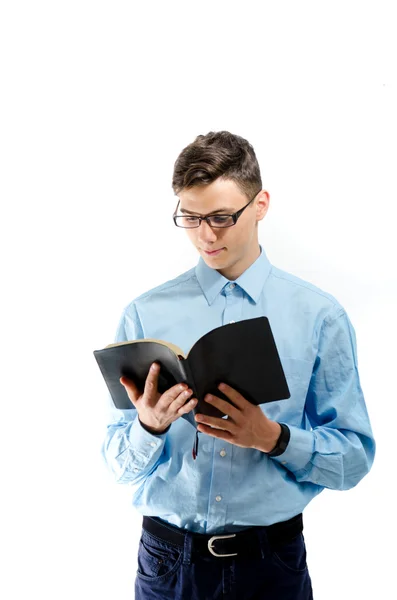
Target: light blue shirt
x,y
230,488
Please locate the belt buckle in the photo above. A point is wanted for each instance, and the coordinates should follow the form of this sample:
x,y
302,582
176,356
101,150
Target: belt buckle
x,y
218,537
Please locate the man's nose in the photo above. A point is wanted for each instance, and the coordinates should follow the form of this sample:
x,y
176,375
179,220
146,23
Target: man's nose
x,y
206,232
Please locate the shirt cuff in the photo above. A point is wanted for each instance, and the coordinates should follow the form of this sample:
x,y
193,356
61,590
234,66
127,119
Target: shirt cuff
x,y
145,444
147,429
296,457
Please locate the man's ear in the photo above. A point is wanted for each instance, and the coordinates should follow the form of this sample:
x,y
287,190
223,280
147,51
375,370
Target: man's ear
x,y
262,204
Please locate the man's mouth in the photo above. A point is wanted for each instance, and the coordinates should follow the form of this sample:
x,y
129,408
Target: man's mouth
x,y
213,252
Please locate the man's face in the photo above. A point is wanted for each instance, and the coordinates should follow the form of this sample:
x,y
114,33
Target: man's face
x,y
238,244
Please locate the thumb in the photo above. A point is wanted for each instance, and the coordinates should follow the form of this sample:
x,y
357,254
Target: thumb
x,y
130,388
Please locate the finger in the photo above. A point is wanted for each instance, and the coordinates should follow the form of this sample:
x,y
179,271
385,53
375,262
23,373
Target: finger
x,y
130,388
183,394
214,422
223,406
233,395
150,389
218,433
177,394
186,408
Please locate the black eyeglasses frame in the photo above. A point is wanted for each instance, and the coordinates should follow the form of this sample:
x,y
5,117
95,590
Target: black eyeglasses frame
x,y
235,216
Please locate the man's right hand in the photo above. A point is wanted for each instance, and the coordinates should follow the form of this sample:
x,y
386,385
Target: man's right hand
x,y
157,411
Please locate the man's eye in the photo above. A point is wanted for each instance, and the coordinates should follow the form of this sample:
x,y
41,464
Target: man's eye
x,y
220,218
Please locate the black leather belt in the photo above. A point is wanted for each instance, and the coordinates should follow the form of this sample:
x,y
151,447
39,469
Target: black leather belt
x,y
247,543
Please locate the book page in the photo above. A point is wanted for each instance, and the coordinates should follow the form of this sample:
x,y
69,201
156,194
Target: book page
x,y
169,345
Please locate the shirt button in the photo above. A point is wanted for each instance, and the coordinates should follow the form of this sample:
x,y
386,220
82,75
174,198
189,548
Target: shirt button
x,y
222,453
136,470
232,285
284,462
218,498
232,321
153,443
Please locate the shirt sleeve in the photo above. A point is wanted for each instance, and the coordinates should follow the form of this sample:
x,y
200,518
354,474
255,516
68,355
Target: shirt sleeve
x,y
129,450
339,449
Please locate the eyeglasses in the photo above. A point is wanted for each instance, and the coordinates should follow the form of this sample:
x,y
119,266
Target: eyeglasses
x,y
191,221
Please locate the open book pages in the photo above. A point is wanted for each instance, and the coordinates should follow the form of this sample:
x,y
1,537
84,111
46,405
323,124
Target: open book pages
x,y
169,345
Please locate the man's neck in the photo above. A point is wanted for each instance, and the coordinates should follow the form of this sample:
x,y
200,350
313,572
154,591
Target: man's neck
x,y
234,271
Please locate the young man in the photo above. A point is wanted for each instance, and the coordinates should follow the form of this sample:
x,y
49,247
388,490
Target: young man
x,y
229,524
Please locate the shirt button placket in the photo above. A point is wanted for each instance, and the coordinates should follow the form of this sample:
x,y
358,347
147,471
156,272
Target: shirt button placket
x,y
231,304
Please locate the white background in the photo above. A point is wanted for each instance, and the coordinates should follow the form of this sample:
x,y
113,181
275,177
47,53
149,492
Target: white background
x,y
97,100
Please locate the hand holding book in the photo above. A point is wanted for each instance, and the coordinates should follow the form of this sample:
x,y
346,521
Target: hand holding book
x,y
246,425
157,411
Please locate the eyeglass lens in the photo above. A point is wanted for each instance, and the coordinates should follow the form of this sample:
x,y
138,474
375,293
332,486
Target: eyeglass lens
x,y
214,220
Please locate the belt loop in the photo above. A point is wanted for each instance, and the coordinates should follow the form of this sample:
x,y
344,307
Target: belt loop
x,y
187,548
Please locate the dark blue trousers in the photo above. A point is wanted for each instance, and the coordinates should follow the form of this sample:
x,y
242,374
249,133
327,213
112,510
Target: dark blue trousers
x,y
170,572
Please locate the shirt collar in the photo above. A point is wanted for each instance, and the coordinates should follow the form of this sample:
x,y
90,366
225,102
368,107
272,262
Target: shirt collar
x,y
251,281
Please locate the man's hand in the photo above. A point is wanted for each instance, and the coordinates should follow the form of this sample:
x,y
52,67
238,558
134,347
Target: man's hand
x,y
157,411
246,426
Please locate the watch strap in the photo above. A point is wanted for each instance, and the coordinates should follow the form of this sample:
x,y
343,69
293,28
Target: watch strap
x,y
282,441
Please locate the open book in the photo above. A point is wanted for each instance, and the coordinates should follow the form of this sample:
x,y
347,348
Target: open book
x,y
243,355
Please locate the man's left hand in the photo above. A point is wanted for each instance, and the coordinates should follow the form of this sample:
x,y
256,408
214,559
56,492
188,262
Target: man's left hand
x,y
246,426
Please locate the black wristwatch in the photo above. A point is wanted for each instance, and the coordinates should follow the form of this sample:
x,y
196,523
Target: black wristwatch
x,y
282,441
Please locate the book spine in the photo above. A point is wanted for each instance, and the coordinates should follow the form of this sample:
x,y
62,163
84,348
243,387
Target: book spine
x,y
187,375
188,378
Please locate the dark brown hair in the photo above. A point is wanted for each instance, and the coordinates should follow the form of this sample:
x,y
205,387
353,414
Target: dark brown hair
x,y
218,154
